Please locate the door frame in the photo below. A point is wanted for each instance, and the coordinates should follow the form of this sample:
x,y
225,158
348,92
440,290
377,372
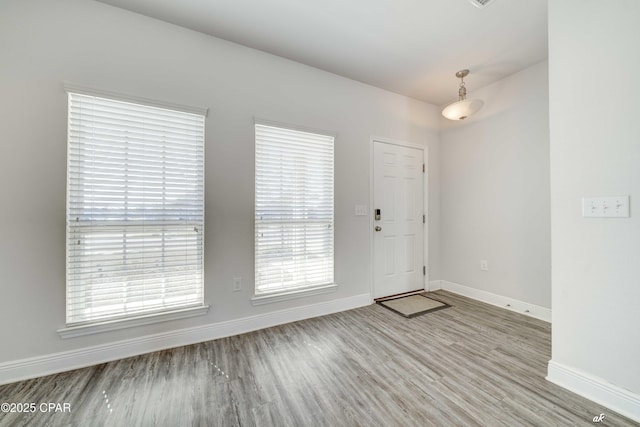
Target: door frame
x,y
425,206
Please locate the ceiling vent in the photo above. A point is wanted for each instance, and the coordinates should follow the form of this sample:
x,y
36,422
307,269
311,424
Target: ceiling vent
x,y
481,4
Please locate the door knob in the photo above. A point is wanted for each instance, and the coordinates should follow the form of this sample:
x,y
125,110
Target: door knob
x,y
378,228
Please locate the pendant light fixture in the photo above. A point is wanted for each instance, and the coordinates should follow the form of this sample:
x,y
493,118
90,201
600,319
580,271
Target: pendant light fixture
x,y
464,107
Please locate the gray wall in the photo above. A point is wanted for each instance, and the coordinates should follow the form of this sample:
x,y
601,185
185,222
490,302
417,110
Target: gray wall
x,y
595,151
495,190
44,43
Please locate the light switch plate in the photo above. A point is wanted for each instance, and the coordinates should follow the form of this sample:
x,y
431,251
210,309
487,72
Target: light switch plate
x,y
605,207
361,210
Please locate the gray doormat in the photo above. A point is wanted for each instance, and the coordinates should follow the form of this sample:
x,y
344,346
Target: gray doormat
x,y
412,305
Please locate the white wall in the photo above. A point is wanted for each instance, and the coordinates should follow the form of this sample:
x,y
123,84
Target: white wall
x,y
44,43
595,151
495,191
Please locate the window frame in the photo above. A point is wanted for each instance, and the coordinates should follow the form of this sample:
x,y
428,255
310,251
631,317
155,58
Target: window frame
x,y
176,311
302,290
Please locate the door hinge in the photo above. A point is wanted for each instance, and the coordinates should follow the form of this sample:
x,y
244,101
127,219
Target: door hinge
x,y
424,270
424,219
423,168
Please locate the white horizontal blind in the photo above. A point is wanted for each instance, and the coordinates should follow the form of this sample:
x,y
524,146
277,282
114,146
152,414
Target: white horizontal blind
x,y
294,209
135,209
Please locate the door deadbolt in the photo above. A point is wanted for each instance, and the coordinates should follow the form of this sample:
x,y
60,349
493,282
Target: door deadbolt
x,y
378,228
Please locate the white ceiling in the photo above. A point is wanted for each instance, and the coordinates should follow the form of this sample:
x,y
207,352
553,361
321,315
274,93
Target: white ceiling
x,y
412,47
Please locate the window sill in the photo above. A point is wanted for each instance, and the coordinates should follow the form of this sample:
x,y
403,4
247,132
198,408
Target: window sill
x,y
288,295
113,325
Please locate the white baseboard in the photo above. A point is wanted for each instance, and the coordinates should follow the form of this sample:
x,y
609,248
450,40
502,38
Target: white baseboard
x,y
595,389
65,361
518,306
435,285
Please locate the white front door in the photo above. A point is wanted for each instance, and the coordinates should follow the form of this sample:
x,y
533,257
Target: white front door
x,y
398,196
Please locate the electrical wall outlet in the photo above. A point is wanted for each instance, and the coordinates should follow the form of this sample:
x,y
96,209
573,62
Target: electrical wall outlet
x,y
237,284
484,265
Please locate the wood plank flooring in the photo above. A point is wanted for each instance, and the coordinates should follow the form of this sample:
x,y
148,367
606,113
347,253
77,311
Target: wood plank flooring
x,y
469,365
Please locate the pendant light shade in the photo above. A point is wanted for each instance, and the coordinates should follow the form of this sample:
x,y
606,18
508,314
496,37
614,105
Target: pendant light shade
x,y
464,107
460,110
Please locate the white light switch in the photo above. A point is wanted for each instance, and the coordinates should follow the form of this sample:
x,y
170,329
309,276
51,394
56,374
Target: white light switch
x,y
605,207
362,210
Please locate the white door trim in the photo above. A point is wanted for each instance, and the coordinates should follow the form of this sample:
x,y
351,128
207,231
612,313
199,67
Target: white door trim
x,y
425,157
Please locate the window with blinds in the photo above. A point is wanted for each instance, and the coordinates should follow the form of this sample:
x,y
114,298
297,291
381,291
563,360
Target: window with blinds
x,y
135,209
293,210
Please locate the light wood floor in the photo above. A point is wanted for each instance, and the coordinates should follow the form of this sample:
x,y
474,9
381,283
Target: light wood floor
x,y
469,365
